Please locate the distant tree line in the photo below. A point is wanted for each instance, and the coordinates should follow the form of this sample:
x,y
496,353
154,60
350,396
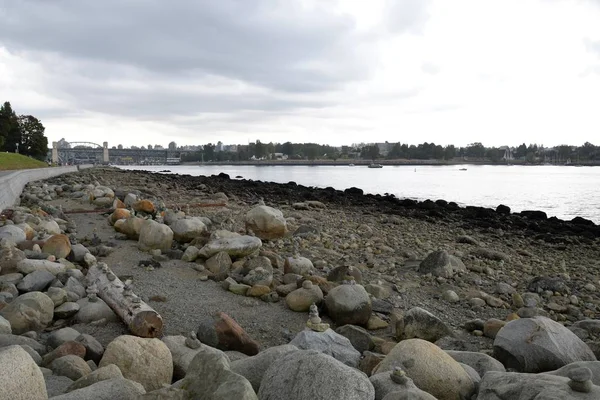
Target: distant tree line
x,y
22,134
531,153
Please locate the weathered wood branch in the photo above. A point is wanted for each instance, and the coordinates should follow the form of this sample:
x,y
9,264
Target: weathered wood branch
x,y
141,319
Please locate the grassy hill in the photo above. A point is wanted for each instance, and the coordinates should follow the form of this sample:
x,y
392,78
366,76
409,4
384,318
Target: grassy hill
x,y
9,161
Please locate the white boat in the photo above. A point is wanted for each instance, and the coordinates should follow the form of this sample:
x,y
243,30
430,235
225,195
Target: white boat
x,y
351,165
373,165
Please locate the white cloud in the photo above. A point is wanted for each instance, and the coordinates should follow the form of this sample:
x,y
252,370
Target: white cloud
x,y
499,72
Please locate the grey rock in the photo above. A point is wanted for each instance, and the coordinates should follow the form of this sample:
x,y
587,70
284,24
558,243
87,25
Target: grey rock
x,y
66,310
385,388
168,393
79,252
57,384
90,311
593,366
359,337
183,355
219,265
14,340
58,295
209,377
20,377
480,362
510,386
73,285
93,349
330,343
421,324
110,389
349,304
34,354
111,371
253,368
31,311
235,246
311,375
70,366
5,327
538,344
28,266
60,336
440,263
12,233
35,281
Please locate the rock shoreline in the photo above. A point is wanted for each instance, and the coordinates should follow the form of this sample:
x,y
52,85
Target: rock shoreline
x,y
271,291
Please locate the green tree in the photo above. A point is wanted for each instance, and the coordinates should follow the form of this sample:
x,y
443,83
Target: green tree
x,y
521,151
449,152
10,133
395,152
370,152
288,149
209,152
260,150
476,150
33,142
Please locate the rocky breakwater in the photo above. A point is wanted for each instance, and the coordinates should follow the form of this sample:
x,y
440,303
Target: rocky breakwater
x,y
394,306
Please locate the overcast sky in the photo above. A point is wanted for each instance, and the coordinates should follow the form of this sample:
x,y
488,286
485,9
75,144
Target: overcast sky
x,y
329,71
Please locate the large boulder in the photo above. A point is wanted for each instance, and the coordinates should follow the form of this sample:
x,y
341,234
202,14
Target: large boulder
x,y
155,236
58,246
253,368
219,266
5,328
186,230
12,340
28,266
421,324
20,377
349,304
298,265
302,298
12,233
31,311
390,386
431,369
36,281
111,371
221,331
538,344
210,377
71,366
266,222
311,375
480,362
130,227
330,343
90,311
183,352
147,361
440,263
235,246
512,386
109,389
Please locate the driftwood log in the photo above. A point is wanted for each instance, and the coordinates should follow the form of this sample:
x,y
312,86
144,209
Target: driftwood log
x,y
140,318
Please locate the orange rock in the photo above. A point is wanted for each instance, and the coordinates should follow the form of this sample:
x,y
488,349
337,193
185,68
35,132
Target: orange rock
x,y
512,317
145,206
231,336
118,204
29,231
58,246
119,213
258,290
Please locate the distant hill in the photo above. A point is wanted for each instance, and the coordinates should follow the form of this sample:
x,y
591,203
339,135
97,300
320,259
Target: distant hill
x,y
10,161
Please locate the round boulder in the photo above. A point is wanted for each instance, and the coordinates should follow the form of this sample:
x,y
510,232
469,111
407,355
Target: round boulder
x,y
155,236
431,369
349,304
57,245
146,361
538,344
266,222
311,375
31,311
186,230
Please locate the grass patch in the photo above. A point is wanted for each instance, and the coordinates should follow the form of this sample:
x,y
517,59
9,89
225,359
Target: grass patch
x,y
10,161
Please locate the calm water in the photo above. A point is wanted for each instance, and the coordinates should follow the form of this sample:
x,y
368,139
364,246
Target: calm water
x,y
564,192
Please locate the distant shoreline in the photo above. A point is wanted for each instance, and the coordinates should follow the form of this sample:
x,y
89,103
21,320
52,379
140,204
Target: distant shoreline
x,y
382,162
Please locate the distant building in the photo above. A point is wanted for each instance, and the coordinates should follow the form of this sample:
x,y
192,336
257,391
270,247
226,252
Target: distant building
x,y
279,156
384,148
172,146
231,148
219,146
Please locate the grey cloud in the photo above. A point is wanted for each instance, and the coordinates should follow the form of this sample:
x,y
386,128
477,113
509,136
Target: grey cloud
x,y
270,43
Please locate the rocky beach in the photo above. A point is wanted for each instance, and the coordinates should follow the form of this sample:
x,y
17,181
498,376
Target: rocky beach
x,y
135,285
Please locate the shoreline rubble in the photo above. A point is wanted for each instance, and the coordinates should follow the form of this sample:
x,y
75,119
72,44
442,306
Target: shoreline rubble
x,y
356,296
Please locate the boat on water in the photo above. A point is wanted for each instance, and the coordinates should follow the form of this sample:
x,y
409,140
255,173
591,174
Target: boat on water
x,y
462,169
373,165
351,165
